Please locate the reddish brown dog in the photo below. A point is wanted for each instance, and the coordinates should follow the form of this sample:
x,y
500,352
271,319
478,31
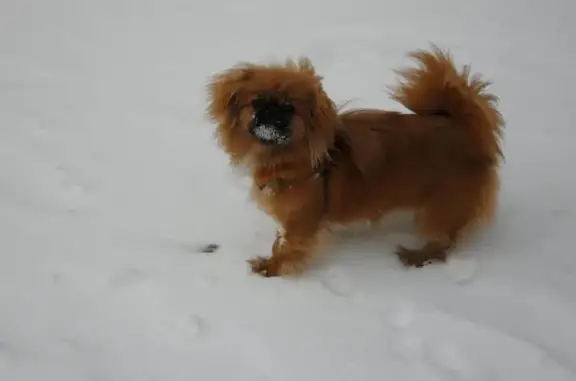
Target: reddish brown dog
x,y
313,166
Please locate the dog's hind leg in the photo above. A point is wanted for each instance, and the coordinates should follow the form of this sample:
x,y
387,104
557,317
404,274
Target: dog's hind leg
x,y
434,250
448,216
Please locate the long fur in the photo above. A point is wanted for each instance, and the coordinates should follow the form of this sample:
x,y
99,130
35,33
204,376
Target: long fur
x,y
436,87
441,161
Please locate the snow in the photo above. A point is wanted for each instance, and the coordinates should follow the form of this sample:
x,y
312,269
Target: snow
x,y
266,132
111,182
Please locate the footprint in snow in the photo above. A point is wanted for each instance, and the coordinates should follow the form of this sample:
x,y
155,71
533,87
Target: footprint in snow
x,y
209,248
337,284
462,270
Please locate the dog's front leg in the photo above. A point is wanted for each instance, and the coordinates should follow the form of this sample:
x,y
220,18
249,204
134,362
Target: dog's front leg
x,y
295,244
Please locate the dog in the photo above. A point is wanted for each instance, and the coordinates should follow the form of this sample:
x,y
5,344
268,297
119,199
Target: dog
x,y
314,166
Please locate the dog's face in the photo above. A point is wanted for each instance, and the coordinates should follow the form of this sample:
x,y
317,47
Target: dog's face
x,y
271,120
272,112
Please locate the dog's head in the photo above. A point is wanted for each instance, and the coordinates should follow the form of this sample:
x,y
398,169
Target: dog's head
x,y
272,112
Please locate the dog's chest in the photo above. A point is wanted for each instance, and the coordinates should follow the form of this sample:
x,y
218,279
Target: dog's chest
x,y
277,197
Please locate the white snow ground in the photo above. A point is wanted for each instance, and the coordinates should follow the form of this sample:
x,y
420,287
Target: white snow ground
x,y
110,180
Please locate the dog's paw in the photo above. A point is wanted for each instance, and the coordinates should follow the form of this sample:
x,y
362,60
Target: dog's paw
x,y
418,257
262,266
272,267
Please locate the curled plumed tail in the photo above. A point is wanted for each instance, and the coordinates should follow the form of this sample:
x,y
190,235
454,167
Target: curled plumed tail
x,y
436,87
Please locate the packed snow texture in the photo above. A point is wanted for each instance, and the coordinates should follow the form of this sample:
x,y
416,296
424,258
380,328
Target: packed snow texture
x,y
111,184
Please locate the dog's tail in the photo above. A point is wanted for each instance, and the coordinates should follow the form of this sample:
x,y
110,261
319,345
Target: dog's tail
x,y
436,87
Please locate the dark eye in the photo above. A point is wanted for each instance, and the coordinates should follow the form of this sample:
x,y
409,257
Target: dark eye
x,y
286,106
258,102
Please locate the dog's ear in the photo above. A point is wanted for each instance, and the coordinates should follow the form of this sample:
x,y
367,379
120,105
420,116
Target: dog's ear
x,y
321,125
320,106
223,92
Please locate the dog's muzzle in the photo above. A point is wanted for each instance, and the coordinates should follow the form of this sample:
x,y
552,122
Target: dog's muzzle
x,y
272,121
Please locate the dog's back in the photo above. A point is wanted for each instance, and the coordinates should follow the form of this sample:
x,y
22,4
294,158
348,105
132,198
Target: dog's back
x,y
441,161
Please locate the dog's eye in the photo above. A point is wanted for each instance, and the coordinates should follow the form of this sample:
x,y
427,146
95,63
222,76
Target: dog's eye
x,y
262,102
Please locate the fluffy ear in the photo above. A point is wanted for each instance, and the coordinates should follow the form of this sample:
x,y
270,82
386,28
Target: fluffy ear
x,y
223,91
322,126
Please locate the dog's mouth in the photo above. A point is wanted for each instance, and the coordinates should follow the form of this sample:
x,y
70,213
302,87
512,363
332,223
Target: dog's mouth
x,y
272,121
270,134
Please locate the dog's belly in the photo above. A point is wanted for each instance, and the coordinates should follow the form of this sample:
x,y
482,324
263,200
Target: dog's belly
x,y
371,200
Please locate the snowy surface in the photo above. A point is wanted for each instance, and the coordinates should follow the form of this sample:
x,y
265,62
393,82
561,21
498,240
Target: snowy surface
x,y
110,181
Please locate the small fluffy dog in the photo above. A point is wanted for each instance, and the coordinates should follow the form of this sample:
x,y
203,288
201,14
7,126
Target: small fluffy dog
x,y
313,166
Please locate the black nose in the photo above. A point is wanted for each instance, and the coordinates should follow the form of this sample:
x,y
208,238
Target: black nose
x,y
272,113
